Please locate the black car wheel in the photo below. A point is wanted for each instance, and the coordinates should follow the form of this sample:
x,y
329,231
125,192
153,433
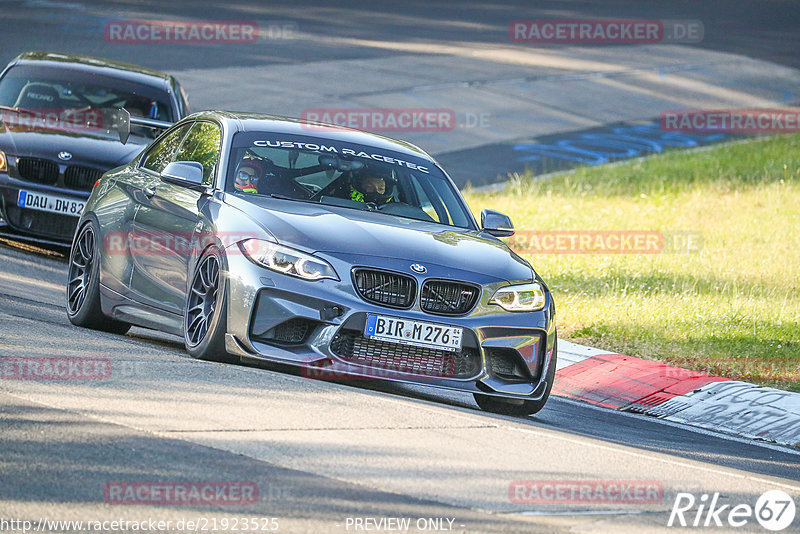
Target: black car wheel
x,y
506,406
206,309
83,284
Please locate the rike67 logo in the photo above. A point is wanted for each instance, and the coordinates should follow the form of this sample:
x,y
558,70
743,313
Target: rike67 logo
x,y
774,510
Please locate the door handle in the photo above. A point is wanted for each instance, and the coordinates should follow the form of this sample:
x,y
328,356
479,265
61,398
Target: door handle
x,y
149,192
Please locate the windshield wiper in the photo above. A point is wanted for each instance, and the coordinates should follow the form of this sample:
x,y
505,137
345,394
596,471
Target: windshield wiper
x,y
284,197
280,197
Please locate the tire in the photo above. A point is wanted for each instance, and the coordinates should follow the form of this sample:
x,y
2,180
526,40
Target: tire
x,y
506,406
83,284
205,315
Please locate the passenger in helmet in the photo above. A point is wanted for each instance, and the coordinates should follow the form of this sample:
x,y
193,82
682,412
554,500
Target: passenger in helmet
x,y
259,174
248,172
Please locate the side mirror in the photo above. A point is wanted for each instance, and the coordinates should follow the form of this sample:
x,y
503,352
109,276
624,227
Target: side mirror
x,y
185,173
496,223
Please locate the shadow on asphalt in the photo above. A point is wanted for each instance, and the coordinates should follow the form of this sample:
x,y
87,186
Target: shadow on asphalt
x,y
561,415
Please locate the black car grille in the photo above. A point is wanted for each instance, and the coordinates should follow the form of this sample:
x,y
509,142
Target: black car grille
x,y
385,288
41,223
37,170
355,348
82,178
443,297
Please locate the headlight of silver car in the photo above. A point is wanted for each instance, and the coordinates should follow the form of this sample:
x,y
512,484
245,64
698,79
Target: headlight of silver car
x,y
524,297
287,260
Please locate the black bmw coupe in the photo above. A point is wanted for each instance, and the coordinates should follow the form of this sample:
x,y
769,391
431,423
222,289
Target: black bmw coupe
x,y
58,133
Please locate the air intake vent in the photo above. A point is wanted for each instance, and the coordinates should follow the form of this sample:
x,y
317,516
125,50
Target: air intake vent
x,y
38,170
385,288
443,297
505,363
43,224
82,178
353,347
291,332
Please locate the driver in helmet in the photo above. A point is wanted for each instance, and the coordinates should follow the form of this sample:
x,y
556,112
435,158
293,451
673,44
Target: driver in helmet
x,y
371,185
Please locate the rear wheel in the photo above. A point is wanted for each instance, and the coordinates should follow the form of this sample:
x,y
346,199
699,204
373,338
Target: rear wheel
x,y
506,406
83,284
204,322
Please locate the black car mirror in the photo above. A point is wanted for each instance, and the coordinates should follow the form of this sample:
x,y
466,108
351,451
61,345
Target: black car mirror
x,y
341,165
496,223
186,173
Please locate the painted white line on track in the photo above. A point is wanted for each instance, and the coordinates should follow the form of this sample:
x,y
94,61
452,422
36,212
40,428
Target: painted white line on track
x,y
655,457
470,415
592,441
33,282
685,426
461,413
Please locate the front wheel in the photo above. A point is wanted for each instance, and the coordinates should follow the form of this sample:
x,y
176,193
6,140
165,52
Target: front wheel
x,y
83,284
515,407
205,318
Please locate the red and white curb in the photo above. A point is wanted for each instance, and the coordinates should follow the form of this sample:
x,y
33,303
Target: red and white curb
x,y
678,395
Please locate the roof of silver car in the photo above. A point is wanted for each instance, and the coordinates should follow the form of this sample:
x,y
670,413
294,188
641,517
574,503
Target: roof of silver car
x,y
255,122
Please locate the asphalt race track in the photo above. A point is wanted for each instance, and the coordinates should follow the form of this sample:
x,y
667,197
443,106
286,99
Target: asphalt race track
x,y
325,456
319,452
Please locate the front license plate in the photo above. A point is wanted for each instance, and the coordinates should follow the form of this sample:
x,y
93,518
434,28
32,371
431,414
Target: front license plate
x,y
417,333
51,203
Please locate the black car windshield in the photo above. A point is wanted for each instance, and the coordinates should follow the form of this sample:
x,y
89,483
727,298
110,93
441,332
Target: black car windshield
x,y
341,174
64,99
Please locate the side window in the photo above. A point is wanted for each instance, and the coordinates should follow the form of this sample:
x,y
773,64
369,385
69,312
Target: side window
x,y
164,150
202,145
430,204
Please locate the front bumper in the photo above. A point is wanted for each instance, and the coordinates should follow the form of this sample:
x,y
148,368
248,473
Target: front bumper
x,y
279,318
39,224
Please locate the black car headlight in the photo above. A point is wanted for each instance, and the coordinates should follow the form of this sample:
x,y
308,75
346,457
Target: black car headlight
x,y
287,260
3,167
523,297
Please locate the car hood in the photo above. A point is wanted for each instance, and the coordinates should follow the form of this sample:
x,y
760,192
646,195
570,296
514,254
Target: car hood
x,y
101,151
344,233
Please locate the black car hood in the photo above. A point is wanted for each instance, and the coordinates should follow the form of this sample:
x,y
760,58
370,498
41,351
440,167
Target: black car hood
x,y
105,152
342,231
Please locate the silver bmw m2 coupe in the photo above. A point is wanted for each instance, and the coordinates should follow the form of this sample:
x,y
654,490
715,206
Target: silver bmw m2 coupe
x,y
344,253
